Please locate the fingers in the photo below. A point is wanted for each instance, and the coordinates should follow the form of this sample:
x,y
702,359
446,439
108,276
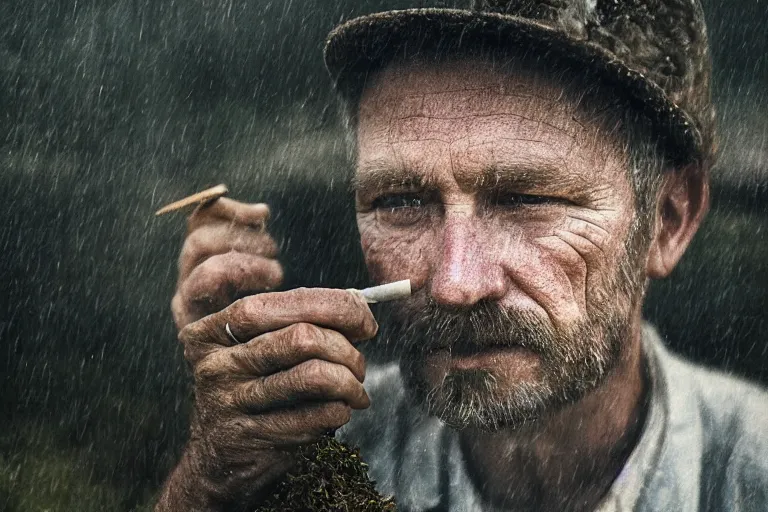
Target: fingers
x,y
249,317
248,214
280,350
311,381
335,309
301,424
227,253
215,283
220,237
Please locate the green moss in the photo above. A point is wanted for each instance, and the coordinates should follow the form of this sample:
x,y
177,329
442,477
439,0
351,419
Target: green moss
x,y
330,477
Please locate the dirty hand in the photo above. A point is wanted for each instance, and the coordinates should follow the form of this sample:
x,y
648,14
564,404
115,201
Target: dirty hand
x,y
227,254
296,376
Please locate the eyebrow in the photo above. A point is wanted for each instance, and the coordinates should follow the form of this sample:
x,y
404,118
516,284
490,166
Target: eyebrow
x,y
521,177
380,175
541,177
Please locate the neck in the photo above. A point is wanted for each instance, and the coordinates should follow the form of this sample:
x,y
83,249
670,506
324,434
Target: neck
x,y
567,461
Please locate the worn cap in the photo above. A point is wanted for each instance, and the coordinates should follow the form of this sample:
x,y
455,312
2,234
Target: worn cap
x,y
654,53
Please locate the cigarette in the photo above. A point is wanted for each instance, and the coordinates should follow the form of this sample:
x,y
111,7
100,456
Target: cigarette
x,y
385,292
201,197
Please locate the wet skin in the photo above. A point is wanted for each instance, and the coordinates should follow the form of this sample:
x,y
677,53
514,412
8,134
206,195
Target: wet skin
x,y
479,186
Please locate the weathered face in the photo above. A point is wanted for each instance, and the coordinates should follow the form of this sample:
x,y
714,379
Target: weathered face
x,y
509,211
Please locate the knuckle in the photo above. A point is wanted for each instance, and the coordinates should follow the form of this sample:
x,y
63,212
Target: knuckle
x,y
190,334
253,306
315,375
301,294
271,244
206,371
251,359
212,282
364,320
199,339
194,352
304,337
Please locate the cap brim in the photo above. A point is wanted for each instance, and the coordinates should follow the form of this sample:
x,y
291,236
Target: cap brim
x,y
363,45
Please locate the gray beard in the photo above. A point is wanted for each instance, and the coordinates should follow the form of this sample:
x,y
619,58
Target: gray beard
x,y
572,363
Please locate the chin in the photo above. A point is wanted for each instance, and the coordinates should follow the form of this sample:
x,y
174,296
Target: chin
x,y
493,389
479,399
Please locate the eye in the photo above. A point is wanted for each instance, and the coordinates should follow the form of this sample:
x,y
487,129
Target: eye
x,y
393,201
399,209
517,200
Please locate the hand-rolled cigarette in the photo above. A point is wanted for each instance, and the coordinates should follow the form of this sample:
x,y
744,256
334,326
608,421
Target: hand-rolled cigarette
x,y
385,292
201,197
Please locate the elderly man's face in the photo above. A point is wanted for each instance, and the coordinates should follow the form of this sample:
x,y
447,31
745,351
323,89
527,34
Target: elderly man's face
x,y
510,212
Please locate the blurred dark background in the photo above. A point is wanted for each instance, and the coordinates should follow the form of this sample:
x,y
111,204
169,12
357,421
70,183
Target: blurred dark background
x,y
111,108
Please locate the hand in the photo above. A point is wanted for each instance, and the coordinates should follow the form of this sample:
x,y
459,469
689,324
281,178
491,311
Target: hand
x,y
227,254
296,377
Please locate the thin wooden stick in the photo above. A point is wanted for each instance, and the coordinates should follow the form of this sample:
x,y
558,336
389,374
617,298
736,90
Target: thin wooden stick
x,y
201,197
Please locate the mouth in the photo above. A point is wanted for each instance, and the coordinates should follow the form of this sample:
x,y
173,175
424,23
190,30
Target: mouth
x,y
479,357
461,349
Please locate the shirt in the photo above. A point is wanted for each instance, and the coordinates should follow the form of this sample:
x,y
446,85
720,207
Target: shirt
x,y
703,447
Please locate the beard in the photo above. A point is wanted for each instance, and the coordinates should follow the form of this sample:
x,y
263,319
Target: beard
x,y
570,362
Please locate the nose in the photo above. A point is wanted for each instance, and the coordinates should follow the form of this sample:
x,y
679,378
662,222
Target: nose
x,y
468,270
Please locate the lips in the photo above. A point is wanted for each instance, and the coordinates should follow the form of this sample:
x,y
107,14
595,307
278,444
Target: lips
x,y
483,358
474,347
474,350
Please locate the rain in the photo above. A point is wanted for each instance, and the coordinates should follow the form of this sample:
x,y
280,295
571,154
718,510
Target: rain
x,y
112,108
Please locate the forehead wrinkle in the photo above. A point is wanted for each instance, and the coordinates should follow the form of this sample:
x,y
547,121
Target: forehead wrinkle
x,y
456,103
449,130
539,114
489,105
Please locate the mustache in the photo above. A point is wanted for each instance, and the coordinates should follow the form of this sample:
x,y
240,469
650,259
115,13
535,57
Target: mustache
x,y
426,326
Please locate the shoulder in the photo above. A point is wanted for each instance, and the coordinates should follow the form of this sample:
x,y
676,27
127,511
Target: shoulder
x,y
732,419
725,403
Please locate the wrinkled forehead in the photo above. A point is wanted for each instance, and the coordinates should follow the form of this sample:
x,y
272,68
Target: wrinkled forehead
x,y
467,86
479,111
403,79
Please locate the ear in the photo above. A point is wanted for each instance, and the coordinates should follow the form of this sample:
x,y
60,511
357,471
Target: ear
x,y
682,203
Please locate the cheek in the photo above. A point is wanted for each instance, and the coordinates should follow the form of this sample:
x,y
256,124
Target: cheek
x,y
545,271
540,275
576,258
393,254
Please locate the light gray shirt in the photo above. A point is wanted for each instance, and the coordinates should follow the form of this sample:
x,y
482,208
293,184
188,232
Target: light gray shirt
x,y
704,445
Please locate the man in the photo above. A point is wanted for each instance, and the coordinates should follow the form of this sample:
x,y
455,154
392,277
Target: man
x,y
529,166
